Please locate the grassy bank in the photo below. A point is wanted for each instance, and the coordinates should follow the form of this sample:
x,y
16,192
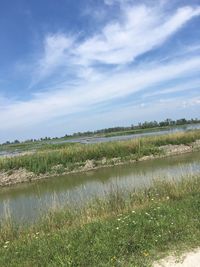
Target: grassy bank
x,y
65,157
145,130
120,230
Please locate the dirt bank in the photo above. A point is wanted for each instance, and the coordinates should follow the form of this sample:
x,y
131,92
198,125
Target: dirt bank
x,y
19,176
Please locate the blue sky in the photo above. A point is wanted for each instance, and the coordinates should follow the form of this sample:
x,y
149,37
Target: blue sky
x,y
69,66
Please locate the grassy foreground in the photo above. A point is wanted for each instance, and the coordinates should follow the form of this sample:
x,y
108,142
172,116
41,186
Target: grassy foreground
x,y
64,157
120,230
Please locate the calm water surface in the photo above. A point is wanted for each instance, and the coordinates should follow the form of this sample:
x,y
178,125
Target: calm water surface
x,y
26,202
94,140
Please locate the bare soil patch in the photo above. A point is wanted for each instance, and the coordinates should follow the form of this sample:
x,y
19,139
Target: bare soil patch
x,y
190,259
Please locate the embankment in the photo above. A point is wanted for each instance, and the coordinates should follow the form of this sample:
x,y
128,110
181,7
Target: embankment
x,y
81,158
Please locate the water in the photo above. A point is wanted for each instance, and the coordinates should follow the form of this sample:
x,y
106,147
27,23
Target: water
x,y
93,140
27,202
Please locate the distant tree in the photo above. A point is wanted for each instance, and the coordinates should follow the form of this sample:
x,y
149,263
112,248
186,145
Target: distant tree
x,y
181,121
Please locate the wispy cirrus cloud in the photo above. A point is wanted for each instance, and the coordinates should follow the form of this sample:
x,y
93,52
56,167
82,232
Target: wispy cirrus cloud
x,y
183,86
102,66
55,47
83,98
139,30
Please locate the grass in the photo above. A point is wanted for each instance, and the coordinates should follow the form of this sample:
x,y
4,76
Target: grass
x,y
67,157
51,144
31,146
121,230
145,130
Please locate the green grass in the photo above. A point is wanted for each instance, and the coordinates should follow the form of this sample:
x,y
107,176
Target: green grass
x,y
70,157
46,144
37,145
120,230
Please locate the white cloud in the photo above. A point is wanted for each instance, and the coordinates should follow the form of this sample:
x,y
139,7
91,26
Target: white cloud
x,y
55,54
109,2
64,102
183,86
112,2
175,108
140,29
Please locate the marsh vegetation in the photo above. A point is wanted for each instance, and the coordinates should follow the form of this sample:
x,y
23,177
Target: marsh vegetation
x,y
121,230
66,157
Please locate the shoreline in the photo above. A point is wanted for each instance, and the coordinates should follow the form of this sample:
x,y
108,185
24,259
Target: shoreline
x,y
143,229
13,177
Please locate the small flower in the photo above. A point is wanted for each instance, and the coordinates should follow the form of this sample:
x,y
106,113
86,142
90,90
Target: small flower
x,y
146,254
119,219
113,258
117,228
7,242
5,246
133,211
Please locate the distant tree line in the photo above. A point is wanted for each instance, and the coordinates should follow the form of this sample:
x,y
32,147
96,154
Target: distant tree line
x,y
144,125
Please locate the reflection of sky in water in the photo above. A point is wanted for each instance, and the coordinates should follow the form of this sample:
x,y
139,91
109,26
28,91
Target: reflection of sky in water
x,y
27,201
93,140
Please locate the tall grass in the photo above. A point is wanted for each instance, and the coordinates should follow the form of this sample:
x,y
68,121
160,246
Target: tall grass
x,y
69,157
120,230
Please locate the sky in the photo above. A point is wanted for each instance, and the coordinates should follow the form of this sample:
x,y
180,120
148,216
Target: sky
x,y
68,66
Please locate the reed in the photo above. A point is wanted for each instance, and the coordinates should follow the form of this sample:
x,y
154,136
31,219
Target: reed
x,y
69,157
120,230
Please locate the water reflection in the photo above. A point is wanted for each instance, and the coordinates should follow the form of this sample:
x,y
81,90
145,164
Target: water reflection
x,y
28,201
